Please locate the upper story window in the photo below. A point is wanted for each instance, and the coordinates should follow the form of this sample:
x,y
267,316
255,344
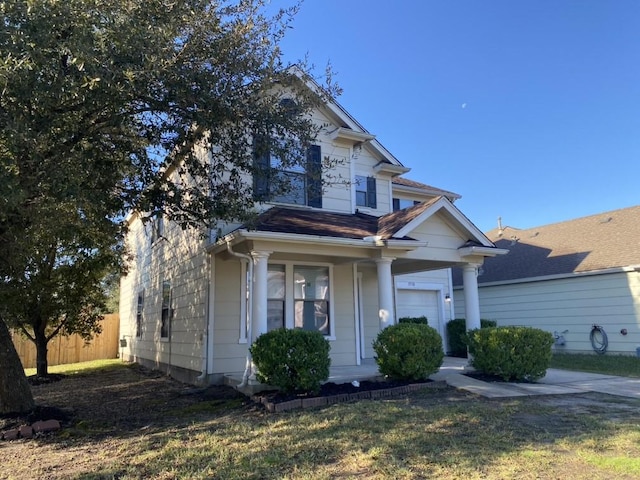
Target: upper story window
x,y
157,227
402,203
275,181
366,192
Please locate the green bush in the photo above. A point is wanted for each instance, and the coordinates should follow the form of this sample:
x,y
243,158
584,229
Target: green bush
x,y
408,351
513,353
457,335
292,359
420,320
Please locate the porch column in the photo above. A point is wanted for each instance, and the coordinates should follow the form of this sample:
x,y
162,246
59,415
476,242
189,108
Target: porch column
x,y
471,299
385,292
260,276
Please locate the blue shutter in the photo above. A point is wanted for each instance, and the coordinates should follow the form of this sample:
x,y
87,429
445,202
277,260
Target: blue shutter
x,y
261,166
372,201
314,177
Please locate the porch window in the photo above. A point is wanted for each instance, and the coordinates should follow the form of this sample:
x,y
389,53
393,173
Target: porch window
x,y
165,318
275,297
366,192
311,298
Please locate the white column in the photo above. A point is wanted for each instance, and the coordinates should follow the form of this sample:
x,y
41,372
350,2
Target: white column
x,y
385,292
471,299
260,276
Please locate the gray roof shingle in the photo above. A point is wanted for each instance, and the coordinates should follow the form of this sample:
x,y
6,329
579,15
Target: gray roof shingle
x,y
601,241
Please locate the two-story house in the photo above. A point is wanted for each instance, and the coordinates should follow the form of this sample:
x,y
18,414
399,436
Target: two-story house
x,y
346,260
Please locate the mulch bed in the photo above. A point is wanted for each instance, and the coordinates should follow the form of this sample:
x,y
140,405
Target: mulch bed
x,y
329,389
330,393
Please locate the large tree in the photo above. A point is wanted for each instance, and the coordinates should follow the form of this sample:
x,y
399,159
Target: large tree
x,y
110,105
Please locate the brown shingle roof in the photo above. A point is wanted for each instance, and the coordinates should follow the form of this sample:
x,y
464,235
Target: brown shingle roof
x,y
329,224
423,186
596,242
392,222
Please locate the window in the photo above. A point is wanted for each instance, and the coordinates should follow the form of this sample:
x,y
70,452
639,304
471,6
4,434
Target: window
x,y
401,203
275,297
366,192
139,309
299,184
157,227
298,296
165,319
311,298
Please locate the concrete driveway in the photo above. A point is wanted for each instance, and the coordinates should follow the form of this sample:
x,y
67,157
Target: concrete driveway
x,y
555,382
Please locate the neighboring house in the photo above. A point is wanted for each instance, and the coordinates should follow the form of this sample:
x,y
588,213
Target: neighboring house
x,y
567,277
346,260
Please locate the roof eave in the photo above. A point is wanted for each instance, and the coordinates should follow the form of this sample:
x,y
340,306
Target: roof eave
x,y
483,251
368,242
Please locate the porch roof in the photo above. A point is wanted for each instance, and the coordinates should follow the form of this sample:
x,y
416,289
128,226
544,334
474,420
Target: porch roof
x,y
331,224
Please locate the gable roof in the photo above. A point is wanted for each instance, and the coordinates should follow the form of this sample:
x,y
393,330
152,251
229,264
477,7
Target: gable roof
x,y
592,243
395,226
408,185
346,121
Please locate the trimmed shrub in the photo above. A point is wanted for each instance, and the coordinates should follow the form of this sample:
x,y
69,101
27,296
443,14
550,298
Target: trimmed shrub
x,y
419,320
408,351
457,335
513,353
292,359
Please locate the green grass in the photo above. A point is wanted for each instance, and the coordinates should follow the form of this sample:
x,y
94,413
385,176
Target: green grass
x,y
82,368
434,433
623,365
400,439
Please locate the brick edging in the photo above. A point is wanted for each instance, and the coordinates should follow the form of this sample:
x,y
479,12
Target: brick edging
x,y
29,431
313,402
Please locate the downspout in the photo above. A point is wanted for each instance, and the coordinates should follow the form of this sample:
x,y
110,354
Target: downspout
x,y
205,336
249,319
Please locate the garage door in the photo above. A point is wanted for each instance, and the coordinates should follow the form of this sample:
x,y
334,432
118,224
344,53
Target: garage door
x,y
416,303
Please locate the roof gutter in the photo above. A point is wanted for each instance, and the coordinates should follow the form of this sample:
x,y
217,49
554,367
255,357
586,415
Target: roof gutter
x,y
366,242
484,251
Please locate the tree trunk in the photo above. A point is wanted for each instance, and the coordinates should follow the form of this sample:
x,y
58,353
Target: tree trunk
x,y
15,392
42,364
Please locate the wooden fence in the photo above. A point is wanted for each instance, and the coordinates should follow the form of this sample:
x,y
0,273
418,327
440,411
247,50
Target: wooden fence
x,y
72,349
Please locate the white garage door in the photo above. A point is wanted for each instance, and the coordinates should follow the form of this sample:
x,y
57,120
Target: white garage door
x,y
416,303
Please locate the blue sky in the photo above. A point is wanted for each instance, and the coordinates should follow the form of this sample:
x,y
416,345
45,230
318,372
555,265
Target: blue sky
x,y
528,109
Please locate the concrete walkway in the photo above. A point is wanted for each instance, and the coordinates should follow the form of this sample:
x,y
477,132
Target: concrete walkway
x,y
555,382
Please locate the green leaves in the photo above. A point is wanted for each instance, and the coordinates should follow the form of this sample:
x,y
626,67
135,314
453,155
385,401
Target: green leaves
x,y
292,359
408,351
513,353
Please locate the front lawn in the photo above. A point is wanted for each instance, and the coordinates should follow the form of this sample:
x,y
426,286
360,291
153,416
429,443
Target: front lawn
x,y
130,423
623,365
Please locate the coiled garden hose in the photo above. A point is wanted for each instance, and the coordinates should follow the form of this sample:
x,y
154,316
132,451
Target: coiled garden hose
x,y
599,340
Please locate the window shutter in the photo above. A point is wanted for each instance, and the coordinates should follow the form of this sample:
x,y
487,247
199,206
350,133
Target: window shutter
x,y
396,204
314,177
261,166
372,202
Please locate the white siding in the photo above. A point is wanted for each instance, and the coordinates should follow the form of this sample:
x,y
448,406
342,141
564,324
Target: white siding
x,y
574,304
179,258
